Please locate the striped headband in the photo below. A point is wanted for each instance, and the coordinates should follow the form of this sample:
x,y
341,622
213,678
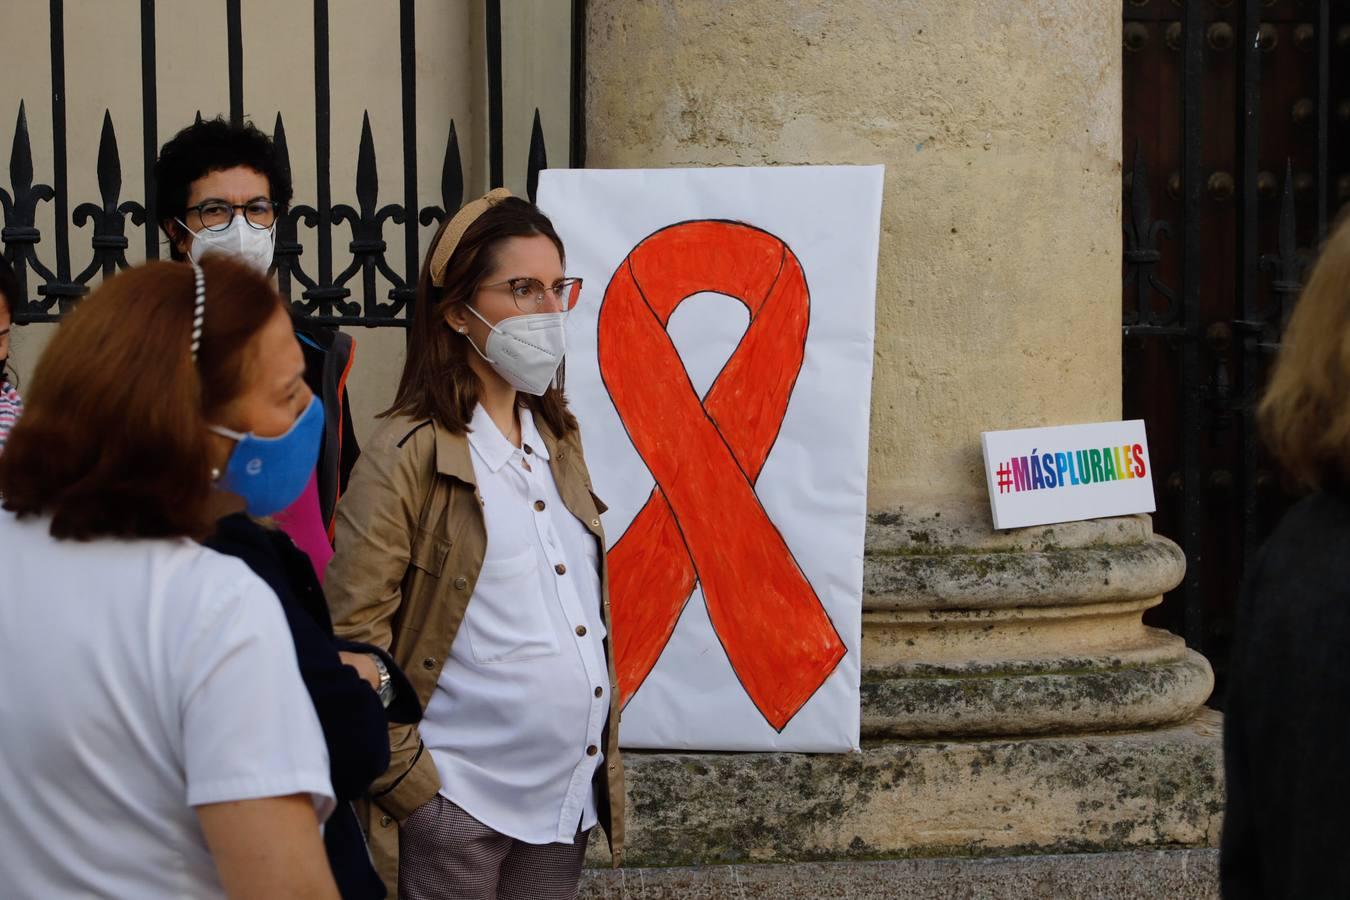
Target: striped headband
x,y
198,310
454,232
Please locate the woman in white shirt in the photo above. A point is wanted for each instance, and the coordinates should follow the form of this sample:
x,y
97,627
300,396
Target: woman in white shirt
x,y
470,544
158,741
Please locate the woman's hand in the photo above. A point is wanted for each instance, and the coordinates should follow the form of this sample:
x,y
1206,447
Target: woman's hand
x,y
364,666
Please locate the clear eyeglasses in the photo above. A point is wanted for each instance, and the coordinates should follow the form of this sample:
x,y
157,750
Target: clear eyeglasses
x,y
530,294
216,215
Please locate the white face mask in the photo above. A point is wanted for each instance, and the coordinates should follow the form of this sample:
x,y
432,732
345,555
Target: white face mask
x,y
240,240
526,350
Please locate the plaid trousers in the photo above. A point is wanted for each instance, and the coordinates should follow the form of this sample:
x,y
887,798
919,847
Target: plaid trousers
x,y
446,854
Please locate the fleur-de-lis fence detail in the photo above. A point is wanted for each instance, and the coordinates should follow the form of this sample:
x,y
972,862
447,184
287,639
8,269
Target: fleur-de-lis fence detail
x,y
109,218
1142,255
367,245
331,302
20,234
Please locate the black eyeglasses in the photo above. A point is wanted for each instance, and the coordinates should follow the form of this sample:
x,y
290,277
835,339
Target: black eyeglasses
x,y
216,215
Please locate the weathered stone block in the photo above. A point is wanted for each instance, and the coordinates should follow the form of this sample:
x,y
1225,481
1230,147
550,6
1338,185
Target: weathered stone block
x,y
901,799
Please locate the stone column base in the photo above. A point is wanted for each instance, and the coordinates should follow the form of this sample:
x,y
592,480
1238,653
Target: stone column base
x,y
1132,875
969,632
896,799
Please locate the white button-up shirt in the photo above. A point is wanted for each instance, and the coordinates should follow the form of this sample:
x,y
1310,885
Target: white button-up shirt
x,y
514,723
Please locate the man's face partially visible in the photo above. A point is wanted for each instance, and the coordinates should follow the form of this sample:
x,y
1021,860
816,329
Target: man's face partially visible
x,y
236,186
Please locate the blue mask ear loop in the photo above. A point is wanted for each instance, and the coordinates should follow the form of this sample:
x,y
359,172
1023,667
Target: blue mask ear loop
x,y
227,433
239,436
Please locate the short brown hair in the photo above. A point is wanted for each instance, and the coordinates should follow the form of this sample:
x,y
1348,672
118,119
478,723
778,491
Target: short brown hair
x,y
437,382
113,439
1305,413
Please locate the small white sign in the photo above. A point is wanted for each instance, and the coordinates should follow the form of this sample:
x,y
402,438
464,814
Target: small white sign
x,y
1042,475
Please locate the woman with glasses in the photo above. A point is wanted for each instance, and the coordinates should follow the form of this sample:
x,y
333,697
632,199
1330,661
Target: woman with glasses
x,y
469,544
220,188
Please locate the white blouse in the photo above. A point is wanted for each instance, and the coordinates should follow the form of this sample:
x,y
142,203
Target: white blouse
x,y
142,678
514,723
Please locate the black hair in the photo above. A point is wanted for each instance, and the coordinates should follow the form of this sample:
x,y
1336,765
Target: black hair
x,y
10,298
10,294
213,145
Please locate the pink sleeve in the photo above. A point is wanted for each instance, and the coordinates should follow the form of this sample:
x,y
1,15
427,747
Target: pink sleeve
x,y
303,522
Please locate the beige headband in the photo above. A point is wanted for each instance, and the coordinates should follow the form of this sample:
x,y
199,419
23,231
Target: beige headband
x,y
454,232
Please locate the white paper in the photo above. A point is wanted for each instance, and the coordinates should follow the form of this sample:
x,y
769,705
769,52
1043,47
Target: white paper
x,y
1038,476
813,483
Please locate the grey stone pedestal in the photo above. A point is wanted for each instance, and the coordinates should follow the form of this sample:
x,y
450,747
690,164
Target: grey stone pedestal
x,y
1137,875
908,799
1015,711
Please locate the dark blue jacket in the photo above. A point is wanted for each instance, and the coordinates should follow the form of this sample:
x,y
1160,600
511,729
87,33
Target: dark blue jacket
x,y
1286,741
355,724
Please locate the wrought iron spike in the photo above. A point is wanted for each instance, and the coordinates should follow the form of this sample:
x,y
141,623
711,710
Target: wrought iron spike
x,y
109,164
452,174
367,179
21,155
279,143
287,250
538,158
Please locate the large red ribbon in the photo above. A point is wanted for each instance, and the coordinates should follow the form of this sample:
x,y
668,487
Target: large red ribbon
x,y
703,521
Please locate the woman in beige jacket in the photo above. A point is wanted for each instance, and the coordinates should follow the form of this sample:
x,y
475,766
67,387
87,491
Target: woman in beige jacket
x,y
469,544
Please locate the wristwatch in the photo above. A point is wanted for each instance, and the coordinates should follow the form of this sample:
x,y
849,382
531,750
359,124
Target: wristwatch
x,y
386,689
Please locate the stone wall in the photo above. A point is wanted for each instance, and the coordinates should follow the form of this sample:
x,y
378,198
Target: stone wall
x,y
999,124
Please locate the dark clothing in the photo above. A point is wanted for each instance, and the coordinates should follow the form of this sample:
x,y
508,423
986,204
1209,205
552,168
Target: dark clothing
x,y
328,360
355,724
1286,742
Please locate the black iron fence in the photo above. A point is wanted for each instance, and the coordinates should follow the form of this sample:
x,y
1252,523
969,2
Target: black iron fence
x,y
1233,122
55,270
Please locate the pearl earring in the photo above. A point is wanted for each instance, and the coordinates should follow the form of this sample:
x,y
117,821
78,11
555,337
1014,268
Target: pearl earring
x,y
215,474
463,330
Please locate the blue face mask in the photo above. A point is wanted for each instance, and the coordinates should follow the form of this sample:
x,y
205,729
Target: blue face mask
x,y
270,473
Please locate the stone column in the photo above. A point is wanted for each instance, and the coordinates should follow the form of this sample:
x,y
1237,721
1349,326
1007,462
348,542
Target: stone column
x,y
998,306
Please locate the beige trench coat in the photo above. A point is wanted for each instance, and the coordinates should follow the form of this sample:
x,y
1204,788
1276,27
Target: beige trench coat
x,y
410,542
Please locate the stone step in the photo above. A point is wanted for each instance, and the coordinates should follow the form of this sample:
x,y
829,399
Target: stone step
x,y
897,799
1132,875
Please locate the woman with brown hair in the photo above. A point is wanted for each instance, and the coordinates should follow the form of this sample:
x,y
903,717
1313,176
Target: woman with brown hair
x,y
159,741
1286,745
469,543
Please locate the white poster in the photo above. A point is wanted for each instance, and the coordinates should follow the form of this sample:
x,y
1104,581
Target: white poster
x,y
1067,473
720,362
